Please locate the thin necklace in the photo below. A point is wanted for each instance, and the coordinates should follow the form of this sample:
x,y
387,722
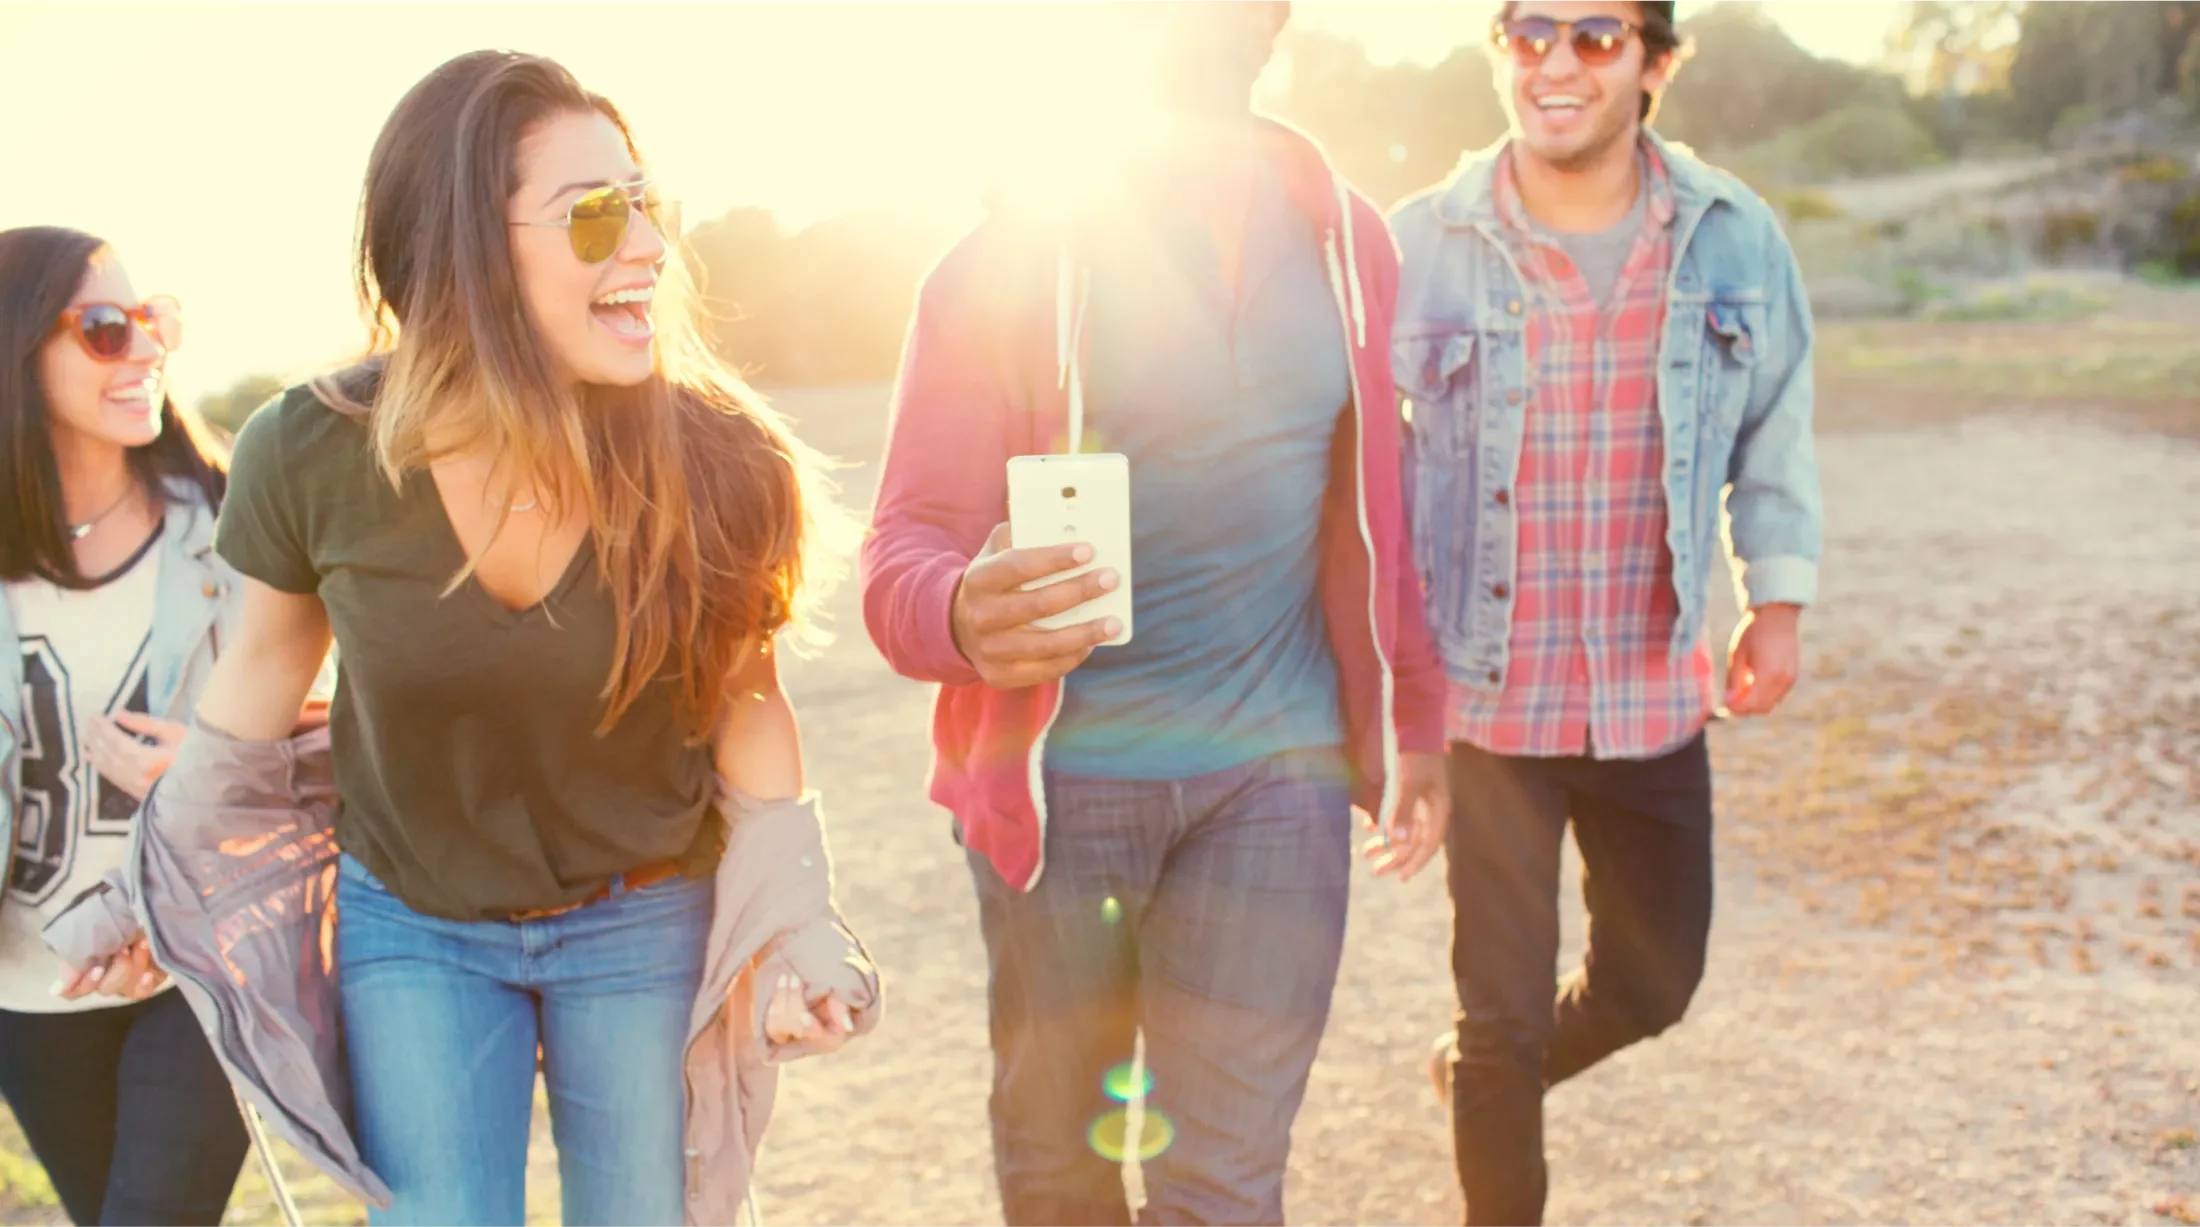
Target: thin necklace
x,y
77,532
529,505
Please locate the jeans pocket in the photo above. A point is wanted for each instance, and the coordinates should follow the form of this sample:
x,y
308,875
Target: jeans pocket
x,y
350,872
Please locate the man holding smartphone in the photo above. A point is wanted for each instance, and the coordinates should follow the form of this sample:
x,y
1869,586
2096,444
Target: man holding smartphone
x,y
1160,832
1601,338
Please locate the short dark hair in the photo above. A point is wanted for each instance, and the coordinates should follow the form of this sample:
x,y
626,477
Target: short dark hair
x,y
41,268
1661,36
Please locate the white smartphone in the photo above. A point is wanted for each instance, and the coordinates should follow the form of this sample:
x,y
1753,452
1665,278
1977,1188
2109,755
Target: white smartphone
x,y
1057,500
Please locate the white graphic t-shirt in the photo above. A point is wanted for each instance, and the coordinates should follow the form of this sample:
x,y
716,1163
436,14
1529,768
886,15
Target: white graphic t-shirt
x,y
83,656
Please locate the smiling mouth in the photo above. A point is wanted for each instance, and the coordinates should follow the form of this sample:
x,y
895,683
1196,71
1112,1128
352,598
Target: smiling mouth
x,y
137,397
625,313
1560,104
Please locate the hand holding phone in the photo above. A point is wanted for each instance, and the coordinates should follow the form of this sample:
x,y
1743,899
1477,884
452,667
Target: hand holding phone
x,y
1078,499
995,611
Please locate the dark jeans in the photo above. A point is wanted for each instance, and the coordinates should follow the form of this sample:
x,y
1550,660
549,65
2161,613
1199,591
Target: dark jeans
x,y
1644,830
127,1109
1209,915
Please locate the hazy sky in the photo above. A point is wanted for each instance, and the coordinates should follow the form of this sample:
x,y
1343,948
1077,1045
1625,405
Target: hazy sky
x,y
220,146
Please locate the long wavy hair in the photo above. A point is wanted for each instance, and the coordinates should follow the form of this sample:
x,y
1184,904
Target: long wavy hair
x,y
41,268
711,523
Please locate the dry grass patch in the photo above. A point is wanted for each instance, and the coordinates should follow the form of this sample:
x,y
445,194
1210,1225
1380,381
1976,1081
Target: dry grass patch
x,y
1971,810
2138,361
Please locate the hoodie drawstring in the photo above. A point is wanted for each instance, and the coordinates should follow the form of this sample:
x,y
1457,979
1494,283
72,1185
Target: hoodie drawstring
x,y
1069,327
1351,265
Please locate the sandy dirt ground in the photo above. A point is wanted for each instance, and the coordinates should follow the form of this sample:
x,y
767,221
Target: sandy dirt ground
x,y
1956,964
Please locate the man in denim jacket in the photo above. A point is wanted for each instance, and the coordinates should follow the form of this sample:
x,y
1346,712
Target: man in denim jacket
x,y
1598,336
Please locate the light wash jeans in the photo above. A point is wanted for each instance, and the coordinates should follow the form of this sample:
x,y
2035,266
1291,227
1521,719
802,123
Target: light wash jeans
x,y
441,1023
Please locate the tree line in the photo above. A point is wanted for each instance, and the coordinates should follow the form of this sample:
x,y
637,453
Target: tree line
x,y
828,303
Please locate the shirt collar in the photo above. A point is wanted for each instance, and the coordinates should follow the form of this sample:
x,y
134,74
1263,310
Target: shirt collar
x,y
1514,213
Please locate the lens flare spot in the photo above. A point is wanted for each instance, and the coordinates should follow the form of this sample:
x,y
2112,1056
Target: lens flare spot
x,y
1127,1082
1155,1135
1110,1135
1111,910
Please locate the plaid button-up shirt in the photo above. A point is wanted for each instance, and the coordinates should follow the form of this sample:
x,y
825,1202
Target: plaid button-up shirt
x,y
1590,668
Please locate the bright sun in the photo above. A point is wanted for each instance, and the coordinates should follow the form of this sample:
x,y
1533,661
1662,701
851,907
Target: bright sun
x,y
1031,92
808,110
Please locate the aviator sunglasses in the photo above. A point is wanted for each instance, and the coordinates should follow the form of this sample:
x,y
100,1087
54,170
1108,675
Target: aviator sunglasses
x,y
597,220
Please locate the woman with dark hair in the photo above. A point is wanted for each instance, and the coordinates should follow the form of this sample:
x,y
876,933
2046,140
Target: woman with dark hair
x,y
554,542
114,610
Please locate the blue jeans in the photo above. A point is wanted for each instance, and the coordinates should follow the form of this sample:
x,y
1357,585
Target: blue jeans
x,y
442,1020
1207,914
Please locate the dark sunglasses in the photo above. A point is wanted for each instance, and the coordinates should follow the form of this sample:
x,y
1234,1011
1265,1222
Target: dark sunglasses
x,y
103,328
597,220
1597,41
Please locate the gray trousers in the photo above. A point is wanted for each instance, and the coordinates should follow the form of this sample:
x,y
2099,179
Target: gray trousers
x,y
1207,914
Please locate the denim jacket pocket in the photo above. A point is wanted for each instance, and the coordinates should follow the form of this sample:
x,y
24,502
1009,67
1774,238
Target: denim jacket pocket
x,y
1435,372
1730,339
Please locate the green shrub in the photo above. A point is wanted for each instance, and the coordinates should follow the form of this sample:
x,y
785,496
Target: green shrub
x,y
2160,168
2030,300
1862,139
229,407
2073,121
2184,228
2188,76
2158,273
1917,290
2062,231
1804,204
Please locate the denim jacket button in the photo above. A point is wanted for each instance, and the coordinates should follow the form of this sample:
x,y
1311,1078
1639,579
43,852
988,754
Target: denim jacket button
x,y
1496,677
1504,498
210,591
1513,307
1500,591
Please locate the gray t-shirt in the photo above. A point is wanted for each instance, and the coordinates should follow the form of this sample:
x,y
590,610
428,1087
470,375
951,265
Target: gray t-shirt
x,y
1602,255
1227,399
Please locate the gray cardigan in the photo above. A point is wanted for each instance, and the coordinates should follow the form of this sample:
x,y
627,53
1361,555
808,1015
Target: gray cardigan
x,y
233,881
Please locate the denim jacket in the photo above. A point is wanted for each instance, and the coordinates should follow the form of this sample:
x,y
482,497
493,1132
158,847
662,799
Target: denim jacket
x,y
194,610
1734,391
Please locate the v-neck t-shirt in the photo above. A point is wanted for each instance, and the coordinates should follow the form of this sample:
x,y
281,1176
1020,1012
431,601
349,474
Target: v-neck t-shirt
x,y
472,779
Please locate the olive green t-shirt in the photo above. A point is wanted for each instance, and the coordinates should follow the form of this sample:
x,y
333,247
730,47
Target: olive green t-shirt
x,y
472,779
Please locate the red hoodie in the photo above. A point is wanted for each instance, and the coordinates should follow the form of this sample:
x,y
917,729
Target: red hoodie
x,y
989,371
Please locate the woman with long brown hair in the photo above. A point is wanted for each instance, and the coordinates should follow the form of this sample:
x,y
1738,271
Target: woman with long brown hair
x,y
554,543
113,612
